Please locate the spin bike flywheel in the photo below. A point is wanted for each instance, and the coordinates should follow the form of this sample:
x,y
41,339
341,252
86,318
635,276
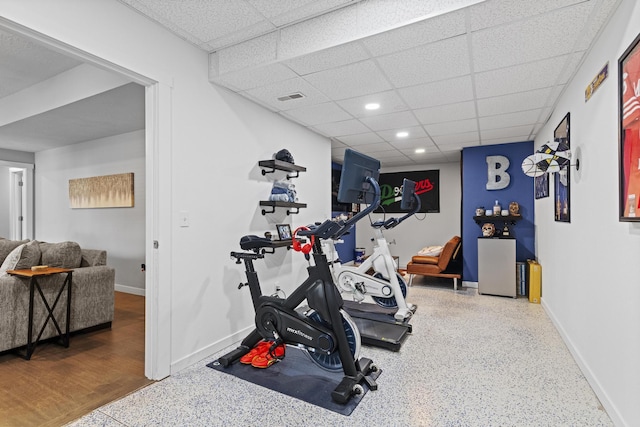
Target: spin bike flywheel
x,y
332,361
390,302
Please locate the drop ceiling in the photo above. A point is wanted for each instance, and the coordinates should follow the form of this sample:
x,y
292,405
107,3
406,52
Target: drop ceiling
x,y
449,73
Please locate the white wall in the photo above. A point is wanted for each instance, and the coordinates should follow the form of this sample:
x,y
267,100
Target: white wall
x,y
5,195
119,231
590,270
422,229
209,144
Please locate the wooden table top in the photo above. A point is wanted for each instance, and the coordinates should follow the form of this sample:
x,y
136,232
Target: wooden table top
x,y
45,272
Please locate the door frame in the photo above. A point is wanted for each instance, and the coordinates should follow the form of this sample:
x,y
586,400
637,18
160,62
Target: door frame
x,y
158,105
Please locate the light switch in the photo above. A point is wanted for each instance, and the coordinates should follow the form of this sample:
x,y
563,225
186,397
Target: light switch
x,y
183,219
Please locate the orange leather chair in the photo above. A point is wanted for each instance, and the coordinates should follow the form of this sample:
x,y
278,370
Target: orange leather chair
x,y
444,265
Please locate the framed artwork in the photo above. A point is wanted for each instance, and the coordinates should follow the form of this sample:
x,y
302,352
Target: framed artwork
x,y
107,191
561,180
629,132
541,186
284,231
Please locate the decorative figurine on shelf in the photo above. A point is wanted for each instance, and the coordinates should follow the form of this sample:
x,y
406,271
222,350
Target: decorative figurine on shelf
x,y
505,231
479,211
488,229
514,209
284,155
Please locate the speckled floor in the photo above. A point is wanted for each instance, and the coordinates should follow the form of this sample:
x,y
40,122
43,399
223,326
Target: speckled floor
x,y
472,360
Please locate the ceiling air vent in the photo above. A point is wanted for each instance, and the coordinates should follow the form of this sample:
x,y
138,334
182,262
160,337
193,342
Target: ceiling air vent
x,y
296,95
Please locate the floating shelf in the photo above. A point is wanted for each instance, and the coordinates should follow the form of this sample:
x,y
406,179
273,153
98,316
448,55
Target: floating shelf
x,y
497,218
274,205
270,166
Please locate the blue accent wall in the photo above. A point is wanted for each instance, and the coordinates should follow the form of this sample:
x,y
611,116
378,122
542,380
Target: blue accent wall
x,y
475,194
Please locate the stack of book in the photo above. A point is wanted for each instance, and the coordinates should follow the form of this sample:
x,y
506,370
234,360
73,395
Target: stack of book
x,y
521,279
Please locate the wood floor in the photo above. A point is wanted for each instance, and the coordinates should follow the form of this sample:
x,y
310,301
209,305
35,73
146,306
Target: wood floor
x,y
59,385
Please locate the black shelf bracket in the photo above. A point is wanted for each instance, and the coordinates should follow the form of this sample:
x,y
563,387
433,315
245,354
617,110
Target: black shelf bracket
x,y
290,212
264,211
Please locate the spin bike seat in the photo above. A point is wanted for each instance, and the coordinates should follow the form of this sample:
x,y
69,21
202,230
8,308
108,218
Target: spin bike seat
x,y
254,242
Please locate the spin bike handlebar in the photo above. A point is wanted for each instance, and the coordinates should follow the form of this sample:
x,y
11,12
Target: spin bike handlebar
x,y
392,222
334,229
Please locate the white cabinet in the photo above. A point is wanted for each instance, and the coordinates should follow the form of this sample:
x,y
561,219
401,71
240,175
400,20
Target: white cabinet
x,y
497,266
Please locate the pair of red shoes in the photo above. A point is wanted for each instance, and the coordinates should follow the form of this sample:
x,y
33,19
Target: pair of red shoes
x,y
261,356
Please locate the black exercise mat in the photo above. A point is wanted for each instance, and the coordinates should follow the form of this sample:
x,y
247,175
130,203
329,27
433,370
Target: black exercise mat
x,y
297,376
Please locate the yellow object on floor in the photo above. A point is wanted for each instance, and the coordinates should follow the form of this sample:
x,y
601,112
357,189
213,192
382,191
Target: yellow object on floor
x,y
535,281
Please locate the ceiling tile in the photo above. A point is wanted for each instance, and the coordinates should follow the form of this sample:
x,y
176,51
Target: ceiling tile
x,y
395,161
438,93
349,81
321,32
329,58
204,20
543,36
391,154
251,53
374,148
423,64
454,156
423,32
506,140
598,18
389,102
509,120
361,138
284,12
247,33
454,127
376,15
337,144
519,78
514,102
472,138
401,120
508,132
319,113
269,94
250,78
446,113
492,13
412,144
346,127
414,132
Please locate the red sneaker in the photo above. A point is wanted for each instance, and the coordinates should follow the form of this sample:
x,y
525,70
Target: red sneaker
x,y
260,348
268,358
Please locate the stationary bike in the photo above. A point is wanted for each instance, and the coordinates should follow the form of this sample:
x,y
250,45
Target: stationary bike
x,y
324,331
385,287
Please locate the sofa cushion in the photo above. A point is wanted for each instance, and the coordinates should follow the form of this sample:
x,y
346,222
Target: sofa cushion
x,y
23,257
63,254
6,246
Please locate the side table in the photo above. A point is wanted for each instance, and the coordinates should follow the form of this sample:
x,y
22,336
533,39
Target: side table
x,y
33,286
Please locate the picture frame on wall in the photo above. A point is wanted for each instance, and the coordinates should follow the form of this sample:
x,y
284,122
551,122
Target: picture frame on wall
x,y
541,186
561,180
629,132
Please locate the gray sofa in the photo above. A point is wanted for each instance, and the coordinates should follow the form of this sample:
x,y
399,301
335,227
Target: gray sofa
x,y
92,297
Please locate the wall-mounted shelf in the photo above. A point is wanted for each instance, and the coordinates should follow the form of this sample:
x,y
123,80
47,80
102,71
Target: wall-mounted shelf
x,y
512,219
274,205
278,244
270,166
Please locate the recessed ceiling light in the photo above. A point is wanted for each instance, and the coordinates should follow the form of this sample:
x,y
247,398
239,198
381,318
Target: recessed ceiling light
x,y
372,106
420,150
402,134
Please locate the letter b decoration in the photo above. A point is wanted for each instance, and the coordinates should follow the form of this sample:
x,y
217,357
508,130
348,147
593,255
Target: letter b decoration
x,y
497,175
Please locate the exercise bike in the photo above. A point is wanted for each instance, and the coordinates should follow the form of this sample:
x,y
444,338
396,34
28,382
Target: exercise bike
x,y
324,330
385,287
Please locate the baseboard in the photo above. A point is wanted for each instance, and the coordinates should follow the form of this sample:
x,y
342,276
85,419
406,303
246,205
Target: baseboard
x,y
130,290
470,284
207,351
602,395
